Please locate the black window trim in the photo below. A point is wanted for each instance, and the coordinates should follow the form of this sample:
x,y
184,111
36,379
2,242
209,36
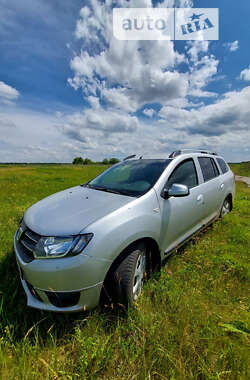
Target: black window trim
x,y
211,159
214,163
180,163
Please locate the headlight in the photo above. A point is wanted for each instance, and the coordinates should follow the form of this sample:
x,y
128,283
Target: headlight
x,y
53,247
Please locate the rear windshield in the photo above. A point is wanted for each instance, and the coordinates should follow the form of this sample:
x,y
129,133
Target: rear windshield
x,y
131,177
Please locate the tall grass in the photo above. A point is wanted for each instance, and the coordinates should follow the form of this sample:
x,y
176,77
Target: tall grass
x,y
191,322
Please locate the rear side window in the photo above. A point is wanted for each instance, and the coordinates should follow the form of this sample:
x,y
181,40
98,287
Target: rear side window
x,y
223,165
208,168
184,174
216,170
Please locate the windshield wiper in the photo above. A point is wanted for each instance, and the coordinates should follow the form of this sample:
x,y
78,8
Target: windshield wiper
x,y
108,190
92,186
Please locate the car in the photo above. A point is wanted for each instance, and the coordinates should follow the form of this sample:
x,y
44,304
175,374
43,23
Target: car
x,y
101,239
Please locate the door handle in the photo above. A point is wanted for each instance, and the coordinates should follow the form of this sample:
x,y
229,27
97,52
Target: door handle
x,y
200,199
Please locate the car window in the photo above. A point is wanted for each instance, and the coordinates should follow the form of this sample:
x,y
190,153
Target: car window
x,y
208,168
185,174
223,165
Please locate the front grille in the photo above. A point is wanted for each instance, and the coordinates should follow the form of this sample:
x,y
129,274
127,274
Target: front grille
x,y
27,243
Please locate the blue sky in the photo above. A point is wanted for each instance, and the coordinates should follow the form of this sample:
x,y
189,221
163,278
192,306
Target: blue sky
x,y
68,87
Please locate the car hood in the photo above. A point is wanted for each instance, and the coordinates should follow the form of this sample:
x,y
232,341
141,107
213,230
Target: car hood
x,y
70,211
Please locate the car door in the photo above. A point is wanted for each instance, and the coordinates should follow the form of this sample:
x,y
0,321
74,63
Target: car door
x,y
181,216
212,187
227,184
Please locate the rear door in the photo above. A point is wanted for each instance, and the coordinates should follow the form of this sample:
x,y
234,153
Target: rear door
x,y
227,179
212,187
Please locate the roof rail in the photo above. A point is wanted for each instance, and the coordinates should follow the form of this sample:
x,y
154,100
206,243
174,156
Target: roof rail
x,y
183,151
129,157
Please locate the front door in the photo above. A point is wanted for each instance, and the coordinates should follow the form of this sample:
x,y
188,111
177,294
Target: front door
x,y
181,216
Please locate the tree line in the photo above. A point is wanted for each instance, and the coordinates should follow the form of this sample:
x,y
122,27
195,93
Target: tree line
x,y
88,161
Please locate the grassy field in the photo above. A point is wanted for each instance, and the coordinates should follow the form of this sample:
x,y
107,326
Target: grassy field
x,y
192,321
242,168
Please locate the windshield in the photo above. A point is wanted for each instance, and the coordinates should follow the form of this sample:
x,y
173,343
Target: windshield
x,y
133,178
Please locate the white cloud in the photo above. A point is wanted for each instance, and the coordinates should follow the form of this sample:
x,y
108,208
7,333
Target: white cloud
x,y
119,98
7,93
149,112
127,73
245,74
201,75
222,126
194,48
100,122
119,78
229,114
233,46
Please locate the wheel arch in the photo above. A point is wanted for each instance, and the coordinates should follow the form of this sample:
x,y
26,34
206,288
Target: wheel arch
x,y
230,198
153,255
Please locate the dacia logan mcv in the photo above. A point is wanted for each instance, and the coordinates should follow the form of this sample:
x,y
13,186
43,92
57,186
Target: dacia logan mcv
x,y
102,237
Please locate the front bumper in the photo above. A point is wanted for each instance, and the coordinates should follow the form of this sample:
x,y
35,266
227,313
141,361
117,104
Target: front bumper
x,y
38,299
62,285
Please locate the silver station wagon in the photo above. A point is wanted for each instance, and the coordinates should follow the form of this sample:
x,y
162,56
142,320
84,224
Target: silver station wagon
x,y
99,240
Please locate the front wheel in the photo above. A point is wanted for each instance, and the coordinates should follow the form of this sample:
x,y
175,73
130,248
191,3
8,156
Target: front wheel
x,y
130,274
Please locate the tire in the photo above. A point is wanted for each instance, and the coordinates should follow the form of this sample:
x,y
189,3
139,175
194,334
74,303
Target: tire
x,y
129,275
226,207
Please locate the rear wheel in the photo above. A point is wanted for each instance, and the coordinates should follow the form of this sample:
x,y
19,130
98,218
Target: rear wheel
x,y
226,207
130,274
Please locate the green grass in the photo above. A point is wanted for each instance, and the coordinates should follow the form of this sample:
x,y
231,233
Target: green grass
x,y
192,321
242,168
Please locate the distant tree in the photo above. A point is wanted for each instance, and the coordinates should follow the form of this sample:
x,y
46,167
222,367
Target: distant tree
x,y
87,161
77,161
105,161
113,161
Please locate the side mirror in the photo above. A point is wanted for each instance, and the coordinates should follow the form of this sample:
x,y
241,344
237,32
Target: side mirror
x,y
176,190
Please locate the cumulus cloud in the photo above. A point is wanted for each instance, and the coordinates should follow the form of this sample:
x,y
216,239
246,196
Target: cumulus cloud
x,y
7,93
229,114
233,46
127,73
245,74
201,75
120,78
194,49
120,81
101,121
149,112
